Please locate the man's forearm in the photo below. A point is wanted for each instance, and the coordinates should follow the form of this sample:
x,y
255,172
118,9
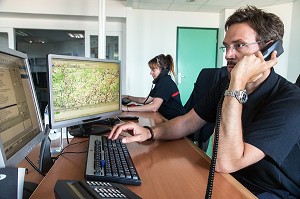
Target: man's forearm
x,y
231,145
178,127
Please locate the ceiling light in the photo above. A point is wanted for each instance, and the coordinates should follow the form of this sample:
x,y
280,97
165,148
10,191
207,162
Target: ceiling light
x,y
76,35
34,40
21,33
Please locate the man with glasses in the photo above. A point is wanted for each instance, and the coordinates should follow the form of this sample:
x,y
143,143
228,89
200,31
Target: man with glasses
x,y
259,117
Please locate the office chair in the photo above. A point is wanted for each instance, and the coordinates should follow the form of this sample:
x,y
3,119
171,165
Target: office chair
x,y
206,79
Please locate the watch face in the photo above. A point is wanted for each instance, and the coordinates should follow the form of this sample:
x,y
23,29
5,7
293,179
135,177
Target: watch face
x,y
244,97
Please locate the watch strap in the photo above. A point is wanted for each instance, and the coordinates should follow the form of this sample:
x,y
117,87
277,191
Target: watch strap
x,y
240,95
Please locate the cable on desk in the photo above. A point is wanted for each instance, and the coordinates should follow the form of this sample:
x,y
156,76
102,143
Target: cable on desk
x,y
67,136
35,168
62,151
121,121
70,152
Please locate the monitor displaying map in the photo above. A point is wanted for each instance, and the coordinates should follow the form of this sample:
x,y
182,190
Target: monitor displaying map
x,y
82,90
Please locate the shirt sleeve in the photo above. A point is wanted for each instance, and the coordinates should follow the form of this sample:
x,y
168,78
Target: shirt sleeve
x,y
206,108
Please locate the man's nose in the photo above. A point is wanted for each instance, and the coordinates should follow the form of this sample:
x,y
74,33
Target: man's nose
x,y
230,53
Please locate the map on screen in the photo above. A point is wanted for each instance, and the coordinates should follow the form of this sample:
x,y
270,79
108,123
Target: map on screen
x,y
83,88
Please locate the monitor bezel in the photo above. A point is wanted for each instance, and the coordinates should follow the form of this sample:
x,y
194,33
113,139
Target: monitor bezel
x,y
15,159
79,120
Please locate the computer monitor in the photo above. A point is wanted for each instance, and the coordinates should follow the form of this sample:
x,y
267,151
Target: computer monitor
x,y
82,90
21,127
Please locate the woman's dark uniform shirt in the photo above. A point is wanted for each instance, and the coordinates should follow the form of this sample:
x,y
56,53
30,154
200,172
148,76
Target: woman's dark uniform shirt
x,y
166,89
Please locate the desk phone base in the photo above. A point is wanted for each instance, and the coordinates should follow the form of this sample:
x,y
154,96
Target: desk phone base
x,y
69,189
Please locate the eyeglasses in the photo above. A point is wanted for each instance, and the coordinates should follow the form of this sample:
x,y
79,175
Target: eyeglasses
x,y
238,47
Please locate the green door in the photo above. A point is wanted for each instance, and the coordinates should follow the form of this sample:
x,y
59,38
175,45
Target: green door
x,y
196,49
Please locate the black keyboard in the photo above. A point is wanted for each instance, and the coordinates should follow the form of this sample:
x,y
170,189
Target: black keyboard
x,y
126,101
110,161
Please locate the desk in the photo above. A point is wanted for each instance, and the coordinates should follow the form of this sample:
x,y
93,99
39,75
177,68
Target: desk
x,y
168,169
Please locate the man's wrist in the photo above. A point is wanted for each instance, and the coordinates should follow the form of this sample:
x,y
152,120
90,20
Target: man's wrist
x,y
151,132
236,84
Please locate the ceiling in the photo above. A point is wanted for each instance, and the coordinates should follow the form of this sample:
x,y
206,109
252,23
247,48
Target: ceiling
x,y
213,6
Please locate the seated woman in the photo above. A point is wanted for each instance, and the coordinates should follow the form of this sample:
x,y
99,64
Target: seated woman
x,y
165,96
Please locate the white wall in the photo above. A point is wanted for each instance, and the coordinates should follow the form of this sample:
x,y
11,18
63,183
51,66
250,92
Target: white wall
x,y
4,39
150,33
286,16
293,69
147,33
8,32
65,7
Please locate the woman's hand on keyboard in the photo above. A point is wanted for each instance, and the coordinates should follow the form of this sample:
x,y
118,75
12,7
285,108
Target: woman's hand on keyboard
x,y
137,132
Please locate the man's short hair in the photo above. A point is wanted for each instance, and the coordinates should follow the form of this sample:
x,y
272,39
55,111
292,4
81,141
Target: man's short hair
x,y
268,26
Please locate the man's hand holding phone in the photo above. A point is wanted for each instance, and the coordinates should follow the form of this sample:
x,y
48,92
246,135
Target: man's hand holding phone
x,y
252,67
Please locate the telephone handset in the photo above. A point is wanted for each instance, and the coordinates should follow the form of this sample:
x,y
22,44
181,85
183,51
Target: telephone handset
x,y
267,51
163,72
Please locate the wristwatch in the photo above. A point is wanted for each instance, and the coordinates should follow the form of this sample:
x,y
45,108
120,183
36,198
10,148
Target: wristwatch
x,y
240,95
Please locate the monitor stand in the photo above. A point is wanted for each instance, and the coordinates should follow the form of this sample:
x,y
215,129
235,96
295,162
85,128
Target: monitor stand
x,y
87,130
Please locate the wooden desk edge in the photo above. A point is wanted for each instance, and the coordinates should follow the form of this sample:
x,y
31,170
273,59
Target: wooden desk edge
x,y
229,177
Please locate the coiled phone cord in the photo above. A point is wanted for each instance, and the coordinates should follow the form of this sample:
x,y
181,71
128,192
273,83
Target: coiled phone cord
x,y
148,95
212,168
